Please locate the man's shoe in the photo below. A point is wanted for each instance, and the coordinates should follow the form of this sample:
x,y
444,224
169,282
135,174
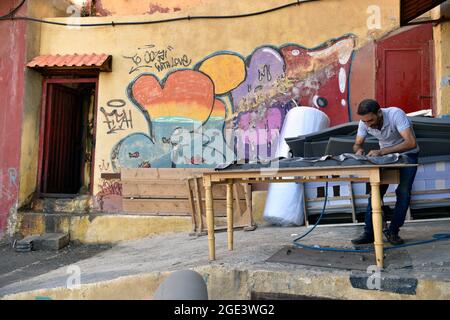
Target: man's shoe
x,y
393,238
365,238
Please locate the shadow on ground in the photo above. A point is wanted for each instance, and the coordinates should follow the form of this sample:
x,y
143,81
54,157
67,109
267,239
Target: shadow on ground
x,y
19,266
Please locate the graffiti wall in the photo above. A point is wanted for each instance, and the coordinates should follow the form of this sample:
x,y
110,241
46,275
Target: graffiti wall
x,y
226,104
197,93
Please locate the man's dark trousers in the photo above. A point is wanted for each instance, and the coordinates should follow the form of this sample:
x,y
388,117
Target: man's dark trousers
x,y
403,193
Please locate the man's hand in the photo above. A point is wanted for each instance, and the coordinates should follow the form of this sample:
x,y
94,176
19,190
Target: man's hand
x,y
357,147
374,153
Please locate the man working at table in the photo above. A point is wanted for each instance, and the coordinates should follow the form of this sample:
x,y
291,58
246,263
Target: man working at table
x,y
395,134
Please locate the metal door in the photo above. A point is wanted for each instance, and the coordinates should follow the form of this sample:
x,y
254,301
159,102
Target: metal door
x,y
404,70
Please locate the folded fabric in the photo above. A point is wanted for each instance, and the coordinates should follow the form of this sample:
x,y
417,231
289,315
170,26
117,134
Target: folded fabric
x,y
345,159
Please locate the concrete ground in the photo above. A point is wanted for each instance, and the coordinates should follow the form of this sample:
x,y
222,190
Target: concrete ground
x,y
134,269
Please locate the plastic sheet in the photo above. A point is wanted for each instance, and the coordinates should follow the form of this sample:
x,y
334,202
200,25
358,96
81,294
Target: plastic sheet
x,y
284,204
300,121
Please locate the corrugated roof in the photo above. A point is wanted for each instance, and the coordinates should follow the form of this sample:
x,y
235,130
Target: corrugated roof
x,y
97,61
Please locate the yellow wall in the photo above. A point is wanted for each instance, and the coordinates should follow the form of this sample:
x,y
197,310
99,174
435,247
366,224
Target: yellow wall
x,y
442,60
309,25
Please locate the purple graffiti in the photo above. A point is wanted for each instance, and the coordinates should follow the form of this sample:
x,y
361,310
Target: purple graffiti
x,y
266,67
259,114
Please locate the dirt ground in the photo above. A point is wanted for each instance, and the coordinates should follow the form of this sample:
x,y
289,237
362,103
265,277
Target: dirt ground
x,y
17,266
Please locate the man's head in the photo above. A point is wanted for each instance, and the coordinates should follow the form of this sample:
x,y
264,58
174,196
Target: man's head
x,y
370,113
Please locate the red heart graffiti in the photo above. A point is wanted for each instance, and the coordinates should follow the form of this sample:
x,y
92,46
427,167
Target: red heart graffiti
x,y
184,93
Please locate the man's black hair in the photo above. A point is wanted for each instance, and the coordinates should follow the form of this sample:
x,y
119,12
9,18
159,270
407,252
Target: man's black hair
x,y
367,106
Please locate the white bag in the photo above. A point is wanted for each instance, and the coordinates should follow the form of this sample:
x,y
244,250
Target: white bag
x,y
284,204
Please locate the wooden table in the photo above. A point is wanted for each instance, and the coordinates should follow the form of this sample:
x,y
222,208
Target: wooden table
x,y
365,173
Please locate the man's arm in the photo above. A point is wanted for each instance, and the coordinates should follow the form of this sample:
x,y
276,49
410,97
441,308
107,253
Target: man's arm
x,y
358,146
408,144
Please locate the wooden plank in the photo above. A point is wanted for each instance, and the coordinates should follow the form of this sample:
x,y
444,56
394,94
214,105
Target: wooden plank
x,y
390,176
158,181
305,209
248,202
191,206
175,206
198,202
168,189
235,195
161,173
352,202
110,176
172,189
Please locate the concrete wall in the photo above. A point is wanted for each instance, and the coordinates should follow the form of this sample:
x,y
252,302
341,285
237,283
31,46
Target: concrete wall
x,y
12,63
363,77
19,106
442,60
238,74
32,97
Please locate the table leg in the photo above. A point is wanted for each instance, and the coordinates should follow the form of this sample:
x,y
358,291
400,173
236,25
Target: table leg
x,y
209,217
230,215
377,221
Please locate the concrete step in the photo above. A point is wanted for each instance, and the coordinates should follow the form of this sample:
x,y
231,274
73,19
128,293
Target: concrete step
x,y
26,244
78,204
98,228
51,241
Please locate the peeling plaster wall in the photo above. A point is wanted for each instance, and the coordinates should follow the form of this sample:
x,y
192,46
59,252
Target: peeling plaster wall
x,y
12,62
238,74
363,78
32,97
18,107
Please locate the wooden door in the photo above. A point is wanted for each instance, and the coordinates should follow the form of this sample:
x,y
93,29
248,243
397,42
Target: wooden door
x,y
62,147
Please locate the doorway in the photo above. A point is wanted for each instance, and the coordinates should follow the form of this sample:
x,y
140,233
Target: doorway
x,y
404,70
66,137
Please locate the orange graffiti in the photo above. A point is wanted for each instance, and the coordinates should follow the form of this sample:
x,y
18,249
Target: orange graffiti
x,y
184,93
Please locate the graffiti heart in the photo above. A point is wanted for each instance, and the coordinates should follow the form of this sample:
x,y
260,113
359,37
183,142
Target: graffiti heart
x,y
184,93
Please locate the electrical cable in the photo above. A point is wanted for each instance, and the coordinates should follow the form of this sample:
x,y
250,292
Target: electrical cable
x,y
13,11
114,24
436,237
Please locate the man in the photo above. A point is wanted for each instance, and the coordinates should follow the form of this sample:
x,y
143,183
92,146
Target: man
x,y
395,134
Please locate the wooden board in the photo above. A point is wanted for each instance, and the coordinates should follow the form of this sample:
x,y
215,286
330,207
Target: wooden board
x,y
171,189
175,206
242,208
161,173
165,191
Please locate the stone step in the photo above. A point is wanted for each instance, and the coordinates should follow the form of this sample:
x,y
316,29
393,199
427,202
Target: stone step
x,y
100,228
51,241
26,244
79,204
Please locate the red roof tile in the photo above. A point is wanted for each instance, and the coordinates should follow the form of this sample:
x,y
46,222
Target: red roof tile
x,y
69,60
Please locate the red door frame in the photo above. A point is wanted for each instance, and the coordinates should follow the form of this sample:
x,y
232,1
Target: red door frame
x,y
45,112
